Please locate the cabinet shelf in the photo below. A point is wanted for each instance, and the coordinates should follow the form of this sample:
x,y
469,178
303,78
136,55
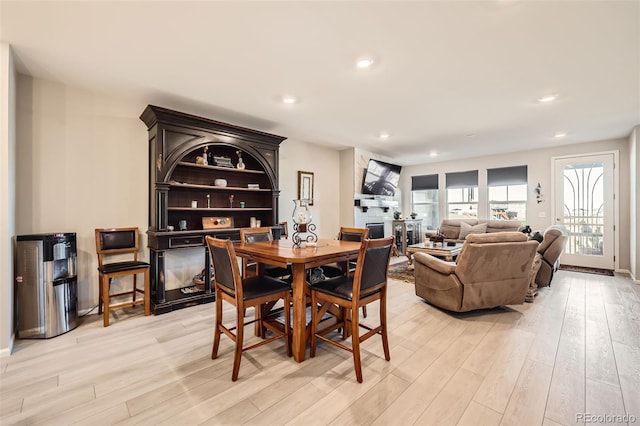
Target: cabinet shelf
x,y
216,188
222,169
226,209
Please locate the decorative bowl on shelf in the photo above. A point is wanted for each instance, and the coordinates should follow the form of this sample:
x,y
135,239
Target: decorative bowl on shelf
x,y
220,182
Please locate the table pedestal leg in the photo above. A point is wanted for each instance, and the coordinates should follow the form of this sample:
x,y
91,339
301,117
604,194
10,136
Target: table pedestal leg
x,y
299,341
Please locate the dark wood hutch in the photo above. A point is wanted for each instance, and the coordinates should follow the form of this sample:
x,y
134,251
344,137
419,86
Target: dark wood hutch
x,y
182,189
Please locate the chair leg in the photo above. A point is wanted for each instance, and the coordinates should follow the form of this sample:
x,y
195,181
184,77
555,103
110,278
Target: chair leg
x,y
135,286
216,330
346,312
287,328
99,294
364,311
355,343
383,323
237,357
105,300
314,324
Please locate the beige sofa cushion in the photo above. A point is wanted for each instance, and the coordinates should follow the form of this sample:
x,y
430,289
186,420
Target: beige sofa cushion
x,y
451,227
503,226
466,229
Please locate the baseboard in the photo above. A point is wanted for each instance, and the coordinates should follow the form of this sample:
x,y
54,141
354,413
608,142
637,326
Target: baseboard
x,y
6,352
628,272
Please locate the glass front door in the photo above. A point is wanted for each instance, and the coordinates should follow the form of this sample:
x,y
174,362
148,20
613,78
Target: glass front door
x,y
585,207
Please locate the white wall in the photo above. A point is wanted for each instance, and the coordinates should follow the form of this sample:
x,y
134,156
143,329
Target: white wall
x,y
325,164
81,165
347,187
7,194
538,162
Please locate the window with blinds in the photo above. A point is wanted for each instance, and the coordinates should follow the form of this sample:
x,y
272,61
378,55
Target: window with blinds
x,y
507,193
424,200
462,195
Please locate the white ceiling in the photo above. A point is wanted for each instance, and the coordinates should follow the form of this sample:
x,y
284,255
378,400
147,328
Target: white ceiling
x,y
444,70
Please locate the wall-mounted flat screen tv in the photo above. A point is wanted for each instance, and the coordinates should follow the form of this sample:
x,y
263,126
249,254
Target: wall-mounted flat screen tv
x,y
381,178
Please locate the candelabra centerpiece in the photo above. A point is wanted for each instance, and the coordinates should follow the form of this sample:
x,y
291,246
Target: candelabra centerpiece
x,y
302,226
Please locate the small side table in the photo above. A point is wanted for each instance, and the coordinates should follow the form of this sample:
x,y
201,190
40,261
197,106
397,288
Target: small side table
x,y
448,253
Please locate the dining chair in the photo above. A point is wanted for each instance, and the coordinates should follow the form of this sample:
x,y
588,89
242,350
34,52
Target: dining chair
x,y
284,229
348,267
346,234
120,241
249,268
350,292
243,293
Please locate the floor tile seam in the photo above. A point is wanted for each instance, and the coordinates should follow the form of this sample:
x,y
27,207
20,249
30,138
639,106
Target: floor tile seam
x,y
615,358
555,359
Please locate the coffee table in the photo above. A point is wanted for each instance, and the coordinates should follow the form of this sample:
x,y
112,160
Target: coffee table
x,y
445,252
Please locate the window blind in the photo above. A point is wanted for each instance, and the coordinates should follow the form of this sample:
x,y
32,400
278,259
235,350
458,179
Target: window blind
x,y
462,179
424,182
516,175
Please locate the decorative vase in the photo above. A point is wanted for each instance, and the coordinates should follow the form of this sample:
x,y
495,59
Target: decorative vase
x,y
240,164
302,223
301,214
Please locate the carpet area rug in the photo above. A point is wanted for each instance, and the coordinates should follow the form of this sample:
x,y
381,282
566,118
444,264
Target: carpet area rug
x,y
597,271
400,272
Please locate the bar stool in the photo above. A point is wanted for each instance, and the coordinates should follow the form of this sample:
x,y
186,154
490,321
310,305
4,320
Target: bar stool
x,y
120,241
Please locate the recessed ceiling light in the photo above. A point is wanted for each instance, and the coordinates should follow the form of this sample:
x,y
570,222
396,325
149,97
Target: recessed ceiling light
x,y
384,135
560,135
548,98
433,154
289,100
363,63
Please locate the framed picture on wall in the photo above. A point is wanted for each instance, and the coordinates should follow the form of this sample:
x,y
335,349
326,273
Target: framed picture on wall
x,y
305,186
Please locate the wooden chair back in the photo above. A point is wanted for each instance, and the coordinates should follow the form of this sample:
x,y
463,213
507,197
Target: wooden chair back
x,y
111,241
225,267
353,234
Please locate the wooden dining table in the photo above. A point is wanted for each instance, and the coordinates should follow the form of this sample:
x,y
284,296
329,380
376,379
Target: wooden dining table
x,y
283,253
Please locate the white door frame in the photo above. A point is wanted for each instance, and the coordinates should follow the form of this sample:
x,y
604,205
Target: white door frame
x,y
616,202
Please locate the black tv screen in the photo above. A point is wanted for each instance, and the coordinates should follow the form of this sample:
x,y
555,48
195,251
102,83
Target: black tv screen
x,y
381,178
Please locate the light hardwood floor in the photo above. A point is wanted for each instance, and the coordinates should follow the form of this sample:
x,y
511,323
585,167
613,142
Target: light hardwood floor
x,y
575,350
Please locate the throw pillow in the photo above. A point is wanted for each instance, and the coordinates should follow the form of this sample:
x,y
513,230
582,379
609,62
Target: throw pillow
x,y
466,229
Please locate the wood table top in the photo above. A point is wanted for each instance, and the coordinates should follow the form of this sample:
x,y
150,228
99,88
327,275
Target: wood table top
x,y
282,252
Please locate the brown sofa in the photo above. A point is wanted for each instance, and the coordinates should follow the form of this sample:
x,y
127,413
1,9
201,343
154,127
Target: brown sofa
x,y
551,247
491,270
451,227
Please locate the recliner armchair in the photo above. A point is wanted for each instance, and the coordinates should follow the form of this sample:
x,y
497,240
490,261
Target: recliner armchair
x,y
491,270
550,249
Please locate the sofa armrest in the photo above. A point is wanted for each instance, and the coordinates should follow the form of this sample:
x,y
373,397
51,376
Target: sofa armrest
x,y
439,265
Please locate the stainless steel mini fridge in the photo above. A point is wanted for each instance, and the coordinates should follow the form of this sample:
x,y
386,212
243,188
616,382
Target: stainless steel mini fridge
x,y
46,286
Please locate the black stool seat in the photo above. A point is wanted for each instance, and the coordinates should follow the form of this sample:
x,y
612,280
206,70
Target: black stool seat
x,y
341,287
262,285
110,268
